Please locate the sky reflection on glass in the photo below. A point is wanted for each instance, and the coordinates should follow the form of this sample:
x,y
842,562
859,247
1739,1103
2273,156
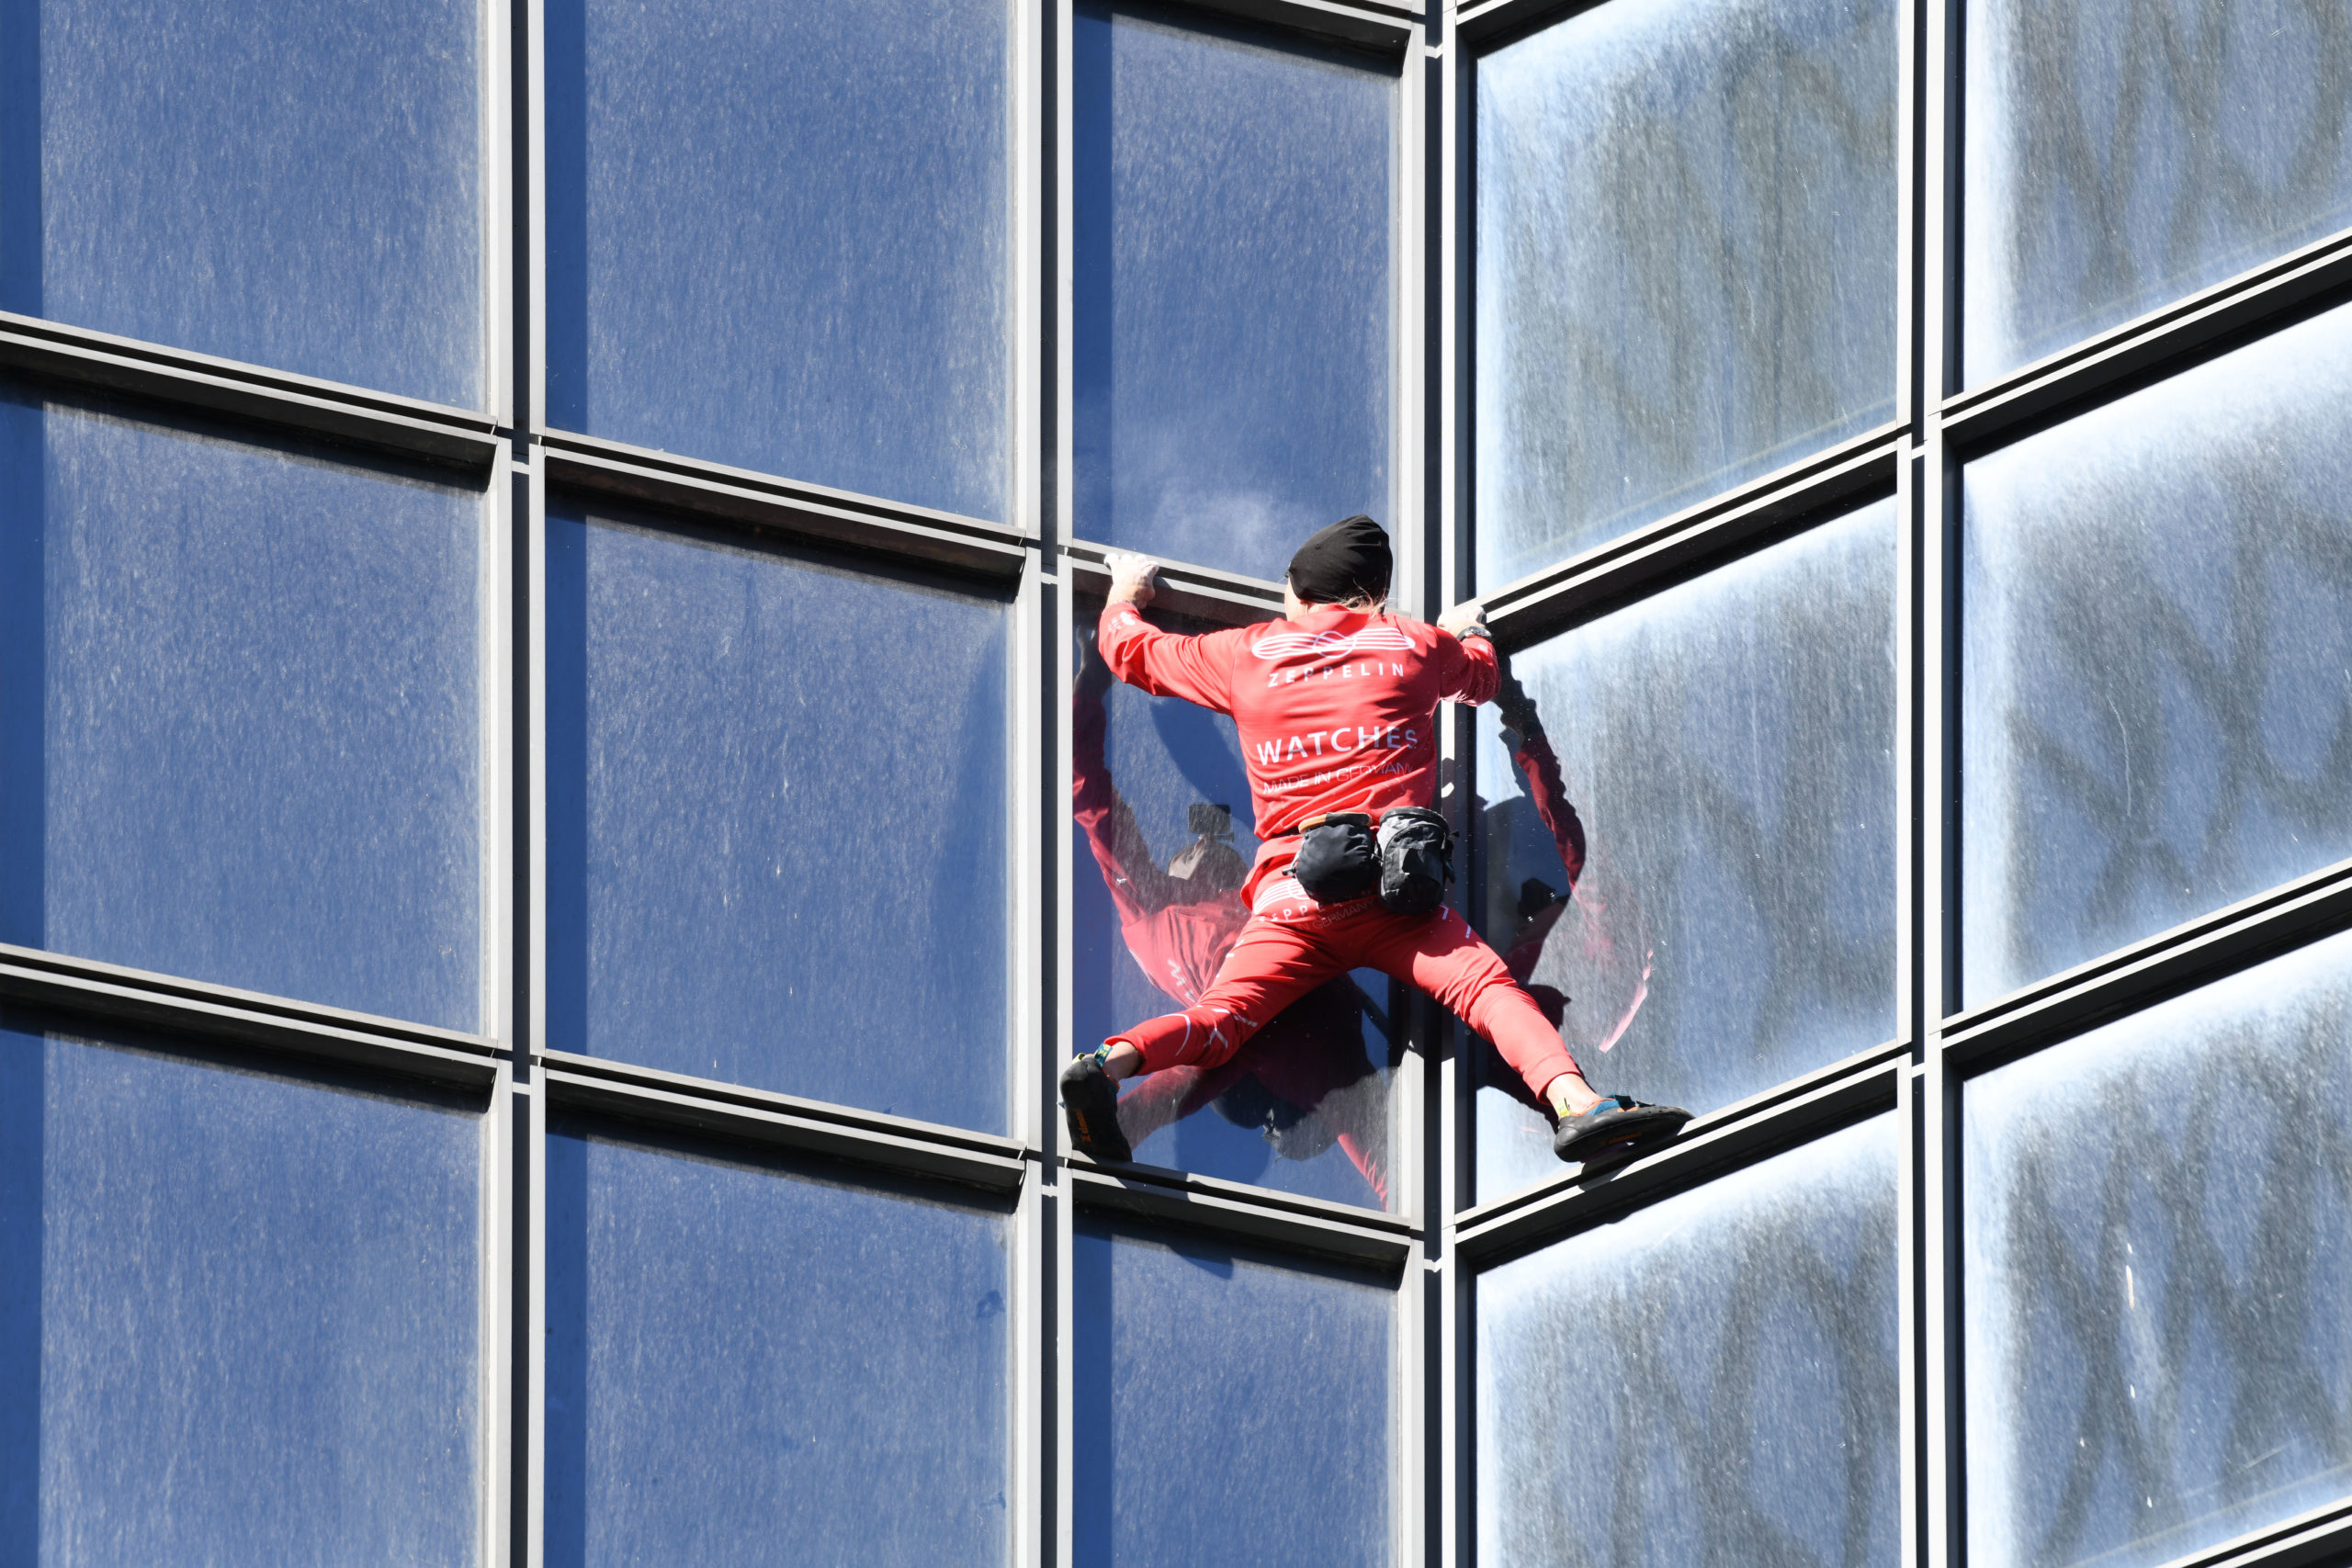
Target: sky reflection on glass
x,y
1231,291
776,238
2156,670
2158,1244
750,1362
1709,1382
240,1309
777,818
291,183
1686,259
1225,1411
2124,153
239,722
1723,755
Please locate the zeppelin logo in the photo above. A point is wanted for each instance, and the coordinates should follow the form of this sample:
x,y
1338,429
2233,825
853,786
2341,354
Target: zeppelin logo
x,y
1281,645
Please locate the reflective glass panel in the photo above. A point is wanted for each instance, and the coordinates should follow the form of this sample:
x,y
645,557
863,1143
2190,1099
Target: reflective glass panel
x,y
775,238
1686,259
750,1364
292,183
239,1310
776,818
1227,1411
2156,715
2157,1231
1711,1381
1231,286
1161,842
1689,834
239,722
2121,153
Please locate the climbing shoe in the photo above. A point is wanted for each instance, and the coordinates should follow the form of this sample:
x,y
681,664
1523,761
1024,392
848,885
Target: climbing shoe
x,y
1618,1127
1091,1101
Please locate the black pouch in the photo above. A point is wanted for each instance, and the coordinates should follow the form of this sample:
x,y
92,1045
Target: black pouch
x,y
1416,860
1337,858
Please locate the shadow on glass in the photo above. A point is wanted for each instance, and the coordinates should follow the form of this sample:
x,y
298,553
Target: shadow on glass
x,y
1303,1106
1718,913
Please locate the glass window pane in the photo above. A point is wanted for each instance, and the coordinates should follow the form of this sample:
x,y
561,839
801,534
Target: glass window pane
x,y
1231,287
1711,1382
239,721
776,238
776,818
749,1363
2157,1226
1686,259
1718,764
1160,842
2121,153
293,184
1227,1411
239,1309
2157,627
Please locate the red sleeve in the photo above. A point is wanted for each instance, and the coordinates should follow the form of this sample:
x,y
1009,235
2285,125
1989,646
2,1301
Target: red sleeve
x,y
1136,884
1467,670
1197,669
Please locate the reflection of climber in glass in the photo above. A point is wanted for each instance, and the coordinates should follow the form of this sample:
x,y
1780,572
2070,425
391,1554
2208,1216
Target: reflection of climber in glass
x,y
1335,708
1594,934
1304,1081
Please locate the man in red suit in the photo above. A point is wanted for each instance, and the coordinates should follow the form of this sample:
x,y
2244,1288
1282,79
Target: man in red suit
x,y
1335,707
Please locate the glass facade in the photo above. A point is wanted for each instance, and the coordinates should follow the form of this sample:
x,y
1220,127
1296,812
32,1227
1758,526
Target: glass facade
x,y
559,810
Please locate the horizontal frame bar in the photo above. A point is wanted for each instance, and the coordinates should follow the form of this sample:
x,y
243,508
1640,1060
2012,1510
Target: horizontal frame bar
x,y
112,992
786,507
2165,340
2322,1536
783,1120
1837,1097
1372,24
1490,24
2163,967
1201,592
1309,1225
1747,518
325,410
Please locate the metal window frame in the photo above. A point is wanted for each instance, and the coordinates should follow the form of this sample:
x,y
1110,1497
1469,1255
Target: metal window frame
x,y
1435,1245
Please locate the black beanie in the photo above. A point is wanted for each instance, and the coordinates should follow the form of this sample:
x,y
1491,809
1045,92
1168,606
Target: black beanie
x,y
1348,560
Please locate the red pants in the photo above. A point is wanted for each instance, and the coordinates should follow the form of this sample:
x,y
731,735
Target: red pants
x,y
1292,944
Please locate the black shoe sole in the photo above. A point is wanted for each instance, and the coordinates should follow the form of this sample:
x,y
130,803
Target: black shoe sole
x,y
1090,1106
1616,1136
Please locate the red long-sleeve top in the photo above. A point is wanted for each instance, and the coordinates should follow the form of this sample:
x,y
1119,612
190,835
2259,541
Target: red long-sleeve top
x,y
1335,710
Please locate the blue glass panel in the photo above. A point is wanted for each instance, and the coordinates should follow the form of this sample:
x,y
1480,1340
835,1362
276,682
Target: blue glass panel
x,y
239,1311
2157,626
2157,1225
1231,289
776,238
1160,843
776,820
1224,1409
293,184
751,1364
1686,259
238,711
1711,1382
1718,764
2121,153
